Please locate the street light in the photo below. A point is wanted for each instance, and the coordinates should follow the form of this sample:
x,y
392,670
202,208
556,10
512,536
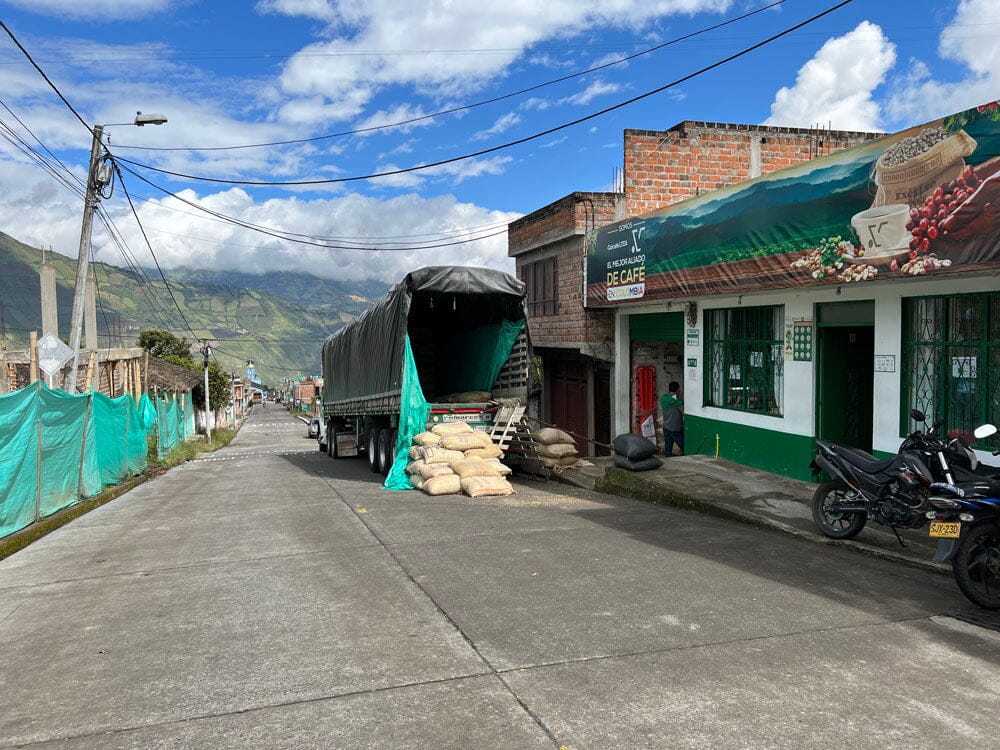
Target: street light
x,y
97,178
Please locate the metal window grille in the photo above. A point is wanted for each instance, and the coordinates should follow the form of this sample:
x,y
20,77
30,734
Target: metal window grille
x,y
951,361
744,357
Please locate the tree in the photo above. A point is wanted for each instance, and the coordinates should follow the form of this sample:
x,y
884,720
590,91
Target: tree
x,y
165,345
218,388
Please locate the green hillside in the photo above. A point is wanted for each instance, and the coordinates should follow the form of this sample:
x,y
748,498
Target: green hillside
x,y
282,337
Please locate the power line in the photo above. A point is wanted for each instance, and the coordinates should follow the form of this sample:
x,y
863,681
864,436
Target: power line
x,y
284,236
148,245
493,149
47,79
473,105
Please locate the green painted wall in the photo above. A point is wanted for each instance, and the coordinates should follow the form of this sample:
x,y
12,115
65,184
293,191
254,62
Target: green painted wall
x,y
770,450
666,327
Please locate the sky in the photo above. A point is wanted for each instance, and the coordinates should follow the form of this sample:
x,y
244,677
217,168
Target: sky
x,y
317,72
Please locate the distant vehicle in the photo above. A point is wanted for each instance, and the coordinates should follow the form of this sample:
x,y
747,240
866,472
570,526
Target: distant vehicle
x,y
314,427
321,437
453,319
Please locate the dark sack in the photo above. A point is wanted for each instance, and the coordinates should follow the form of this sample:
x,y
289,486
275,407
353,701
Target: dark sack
x,y
645,465
633,447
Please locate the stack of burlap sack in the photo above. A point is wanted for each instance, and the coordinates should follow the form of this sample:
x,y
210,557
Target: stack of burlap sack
x,y
556,449
635,453
452,457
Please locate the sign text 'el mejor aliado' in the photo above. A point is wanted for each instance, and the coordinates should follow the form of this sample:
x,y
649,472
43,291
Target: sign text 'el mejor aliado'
x,y
921,203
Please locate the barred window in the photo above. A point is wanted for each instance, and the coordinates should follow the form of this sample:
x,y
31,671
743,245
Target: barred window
x,y
951,361
744,359
541,278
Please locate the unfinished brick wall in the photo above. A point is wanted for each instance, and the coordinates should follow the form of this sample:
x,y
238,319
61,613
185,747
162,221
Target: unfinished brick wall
x,y
666,166
532,237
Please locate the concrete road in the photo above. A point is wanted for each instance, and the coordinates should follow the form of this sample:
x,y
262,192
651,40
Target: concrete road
x,y
272,597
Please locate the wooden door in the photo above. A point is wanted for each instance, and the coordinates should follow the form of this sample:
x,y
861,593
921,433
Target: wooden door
x,y
568,399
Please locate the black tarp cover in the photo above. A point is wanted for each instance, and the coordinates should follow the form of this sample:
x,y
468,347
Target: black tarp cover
x,y
365,358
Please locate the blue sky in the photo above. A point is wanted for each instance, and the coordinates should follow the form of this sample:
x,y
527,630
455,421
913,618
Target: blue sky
x,y
235,73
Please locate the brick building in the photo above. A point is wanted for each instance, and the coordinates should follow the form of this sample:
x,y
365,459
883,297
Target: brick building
x,y
661,167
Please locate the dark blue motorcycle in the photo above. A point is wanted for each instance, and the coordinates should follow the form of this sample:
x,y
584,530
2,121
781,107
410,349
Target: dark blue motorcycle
x,y
966,522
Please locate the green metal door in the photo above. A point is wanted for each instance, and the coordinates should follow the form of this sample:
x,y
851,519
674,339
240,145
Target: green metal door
x,y
845,386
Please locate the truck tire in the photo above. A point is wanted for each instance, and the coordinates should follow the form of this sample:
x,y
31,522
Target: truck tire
x,y
384,452
330,444
373,438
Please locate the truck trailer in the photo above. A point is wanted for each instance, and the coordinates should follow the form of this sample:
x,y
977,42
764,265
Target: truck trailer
x,y
445,344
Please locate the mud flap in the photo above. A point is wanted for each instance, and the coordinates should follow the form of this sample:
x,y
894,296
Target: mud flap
x,y
946,549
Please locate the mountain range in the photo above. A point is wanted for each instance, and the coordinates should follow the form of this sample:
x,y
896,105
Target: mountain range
x,y
277,319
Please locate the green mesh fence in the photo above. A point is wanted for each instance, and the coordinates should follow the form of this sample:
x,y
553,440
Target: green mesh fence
x,y
171,423
56,448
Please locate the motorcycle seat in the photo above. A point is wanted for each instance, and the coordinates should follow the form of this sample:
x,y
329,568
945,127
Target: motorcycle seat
x,y
982,487
865,461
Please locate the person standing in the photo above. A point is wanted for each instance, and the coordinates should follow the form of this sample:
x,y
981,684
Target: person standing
x,y
672,406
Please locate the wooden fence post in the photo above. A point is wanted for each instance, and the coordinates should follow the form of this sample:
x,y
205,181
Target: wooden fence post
x,y
33,355
83,446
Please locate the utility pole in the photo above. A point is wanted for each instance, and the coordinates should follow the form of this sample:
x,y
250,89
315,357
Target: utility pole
x,y
82,261
207,351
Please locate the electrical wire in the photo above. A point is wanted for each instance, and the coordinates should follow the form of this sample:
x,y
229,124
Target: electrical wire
x,y
148,245
47,79
473,105
493,149
285,236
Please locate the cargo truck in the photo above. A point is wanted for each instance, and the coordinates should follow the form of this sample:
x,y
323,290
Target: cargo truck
x,y
443,345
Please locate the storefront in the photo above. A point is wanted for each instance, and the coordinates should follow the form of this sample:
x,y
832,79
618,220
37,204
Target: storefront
x,y
826,300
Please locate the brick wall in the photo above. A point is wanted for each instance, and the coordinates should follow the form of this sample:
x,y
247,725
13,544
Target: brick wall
x,y
559,230
666,166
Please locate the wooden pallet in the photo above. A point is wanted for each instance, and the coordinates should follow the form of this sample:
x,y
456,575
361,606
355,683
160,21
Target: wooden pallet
x,y
511,431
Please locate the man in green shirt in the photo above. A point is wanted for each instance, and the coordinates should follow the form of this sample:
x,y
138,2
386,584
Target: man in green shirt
x,y
672,406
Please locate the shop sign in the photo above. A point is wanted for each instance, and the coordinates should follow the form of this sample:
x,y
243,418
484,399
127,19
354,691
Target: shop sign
x,y
693,338
923,203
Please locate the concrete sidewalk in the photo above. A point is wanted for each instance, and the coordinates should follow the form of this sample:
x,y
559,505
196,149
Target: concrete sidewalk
x,y
722,488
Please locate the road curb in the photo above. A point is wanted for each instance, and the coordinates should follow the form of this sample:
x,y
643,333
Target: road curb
x,y
621,483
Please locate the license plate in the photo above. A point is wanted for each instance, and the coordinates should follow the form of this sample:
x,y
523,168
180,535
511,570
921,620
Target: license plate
x,y
946,530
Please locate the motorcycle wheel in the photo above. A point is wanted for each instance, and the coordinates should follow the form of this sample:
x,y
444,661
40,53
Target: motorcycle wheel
x,y
835,525
977,566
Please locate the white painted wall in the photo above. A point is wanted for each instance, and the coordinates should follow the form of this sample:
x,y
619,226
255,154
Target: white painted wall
x,y
800,377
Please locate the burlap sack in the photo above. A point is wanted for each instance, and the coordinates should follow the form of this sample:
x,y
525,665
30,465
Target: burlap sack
x,y
446,484
551,436
486,486
414,466
502,468
434,455
560,463
427,471
450,428
416,452
467,440
426,438
475,467
417,481
914,179
558,450
491,451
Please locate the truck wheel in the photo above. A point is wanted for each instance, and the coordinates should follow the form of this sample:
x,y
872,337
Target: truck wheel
x,y
384,452
330,433
373,434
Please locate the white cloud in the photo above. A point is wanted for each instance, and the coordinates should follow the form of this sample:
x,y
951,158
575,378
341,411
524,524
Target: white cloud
x,y
919,97
594,90
837,84
380,43
320,10
399,113
502,124
95,10
38,211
